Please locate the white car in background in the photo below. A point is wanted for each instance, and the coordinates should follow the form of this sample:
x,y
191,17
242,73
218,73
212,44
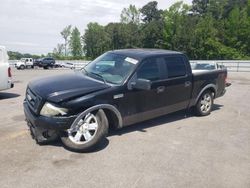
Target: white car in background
x,y
206,65
25,63
68,65
5,71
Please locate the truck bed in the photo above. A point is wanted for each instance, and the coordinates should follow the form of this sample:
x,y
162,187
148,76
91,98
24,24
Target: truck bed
x,y
202,78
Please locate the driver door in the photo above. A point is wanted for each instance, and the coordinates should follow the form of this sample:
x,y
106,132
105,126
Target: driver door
x,y
141,105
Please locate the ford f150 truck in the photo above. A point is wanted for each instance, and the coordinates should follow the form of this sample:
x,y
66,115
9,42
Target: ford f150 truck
x,y
119,88
5,70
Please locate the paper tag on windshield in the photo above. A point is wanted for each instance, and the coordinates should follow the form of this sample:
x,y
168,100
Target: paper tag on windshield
x,y
131,60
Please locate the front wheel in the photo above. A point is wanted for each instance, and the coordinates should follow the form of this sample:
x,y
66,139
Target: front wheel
x,y
22,67
88,132
204,104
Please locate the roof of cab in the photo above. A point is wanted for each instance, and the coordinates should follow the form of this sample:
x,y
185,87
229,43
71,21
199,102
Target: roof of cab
x,y
143,53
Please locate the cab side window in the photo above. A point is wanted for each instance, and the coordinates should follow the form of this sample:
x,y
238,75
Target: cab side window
x,y
175,67
149,70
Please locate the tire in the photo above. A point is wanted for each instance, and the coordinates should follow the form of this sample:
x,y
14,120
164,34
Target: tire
x,y
204,104
79,143
22,67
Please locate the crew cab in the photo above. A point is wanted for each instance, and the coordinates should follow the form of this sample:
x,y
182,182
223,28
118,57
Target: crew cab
x,y
5,70
117,89
25,63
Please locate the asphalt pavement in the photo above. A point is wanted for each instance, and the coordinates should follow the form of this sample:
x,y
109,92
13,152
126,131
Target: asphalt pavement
x,y
171,151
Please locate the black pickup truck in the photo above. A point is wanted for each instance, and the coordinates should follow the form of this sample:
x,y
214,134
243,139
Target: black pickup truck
x,y
119,88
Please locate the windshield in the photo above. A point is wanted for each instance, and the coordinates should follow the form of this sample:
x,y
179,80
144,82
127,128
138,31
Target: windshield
x,y
111,68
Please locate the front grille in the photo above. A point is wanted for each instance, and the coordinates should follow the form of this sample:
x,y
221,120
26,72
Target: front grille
x,y
33,100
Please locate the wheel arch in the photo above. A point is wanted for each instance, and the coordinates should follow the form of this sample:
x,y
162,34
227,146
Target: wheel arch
x,y
112,113
210,87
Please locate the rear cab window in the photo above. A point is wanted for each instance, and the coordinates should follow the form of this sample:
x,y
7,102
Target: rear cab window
x,y
175,66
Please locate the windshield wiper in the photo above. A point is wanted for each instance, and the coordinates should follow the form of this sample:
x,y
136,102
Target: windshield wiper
x,y
98,75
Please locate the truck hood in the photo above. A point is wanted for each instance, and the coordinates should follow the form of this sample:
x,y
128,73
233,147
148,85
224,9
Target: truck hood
x,y
63,87
19,63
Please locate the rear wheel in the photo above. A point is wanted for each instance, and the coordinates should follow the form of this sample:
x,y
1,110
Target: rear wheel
x,y
88,133
204,104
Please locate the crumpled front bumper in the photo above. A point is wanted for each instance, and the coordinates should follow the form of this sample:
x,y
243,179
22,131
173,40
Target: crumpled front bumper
x,y
43,128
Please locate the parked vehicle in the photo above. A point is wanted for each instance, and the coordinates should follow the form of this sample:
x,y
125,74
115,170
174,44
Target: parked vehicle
x,y
119,88
25,63
5,70
36,62
46,63
58,65
68,65
206,65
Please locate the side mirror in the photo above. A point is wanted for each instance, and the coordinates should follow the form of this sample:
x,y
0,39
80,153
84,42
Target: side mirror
x,y
141,84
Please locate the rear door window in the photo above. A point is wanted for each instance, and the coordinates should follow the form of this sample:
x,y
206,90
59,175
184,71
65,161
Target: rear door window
x,y
175,66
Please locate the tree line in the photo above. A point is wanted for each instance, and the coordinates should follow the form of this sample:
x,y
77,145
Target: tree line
x,y
207,29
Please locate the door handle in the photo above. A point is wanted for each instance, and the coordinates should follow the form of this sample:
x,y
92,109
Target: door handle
x,y
160,89
187,83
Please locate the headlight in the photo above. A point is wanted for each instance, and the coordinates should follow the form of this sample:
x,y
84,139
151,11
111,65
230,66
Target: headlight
x,y
50,110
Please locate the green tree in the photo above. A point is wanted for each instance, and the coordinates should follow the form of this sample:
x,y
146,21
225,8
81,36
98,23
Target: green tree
x,y
231,4
117,35
151,12
17,55
152,28
200,6
208,29
96,40
58,51
217,8
123,35
237,28
130,15
203,32
152,34
179,26
66,34
75,43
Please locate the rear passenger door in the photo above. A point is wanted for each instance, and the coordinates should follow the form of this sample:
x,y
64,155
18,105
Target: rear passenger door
x,y
178,83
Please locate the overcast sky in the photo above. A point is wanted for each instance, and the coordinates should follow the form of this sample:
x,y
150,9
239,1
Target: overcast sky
x,y
33,26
